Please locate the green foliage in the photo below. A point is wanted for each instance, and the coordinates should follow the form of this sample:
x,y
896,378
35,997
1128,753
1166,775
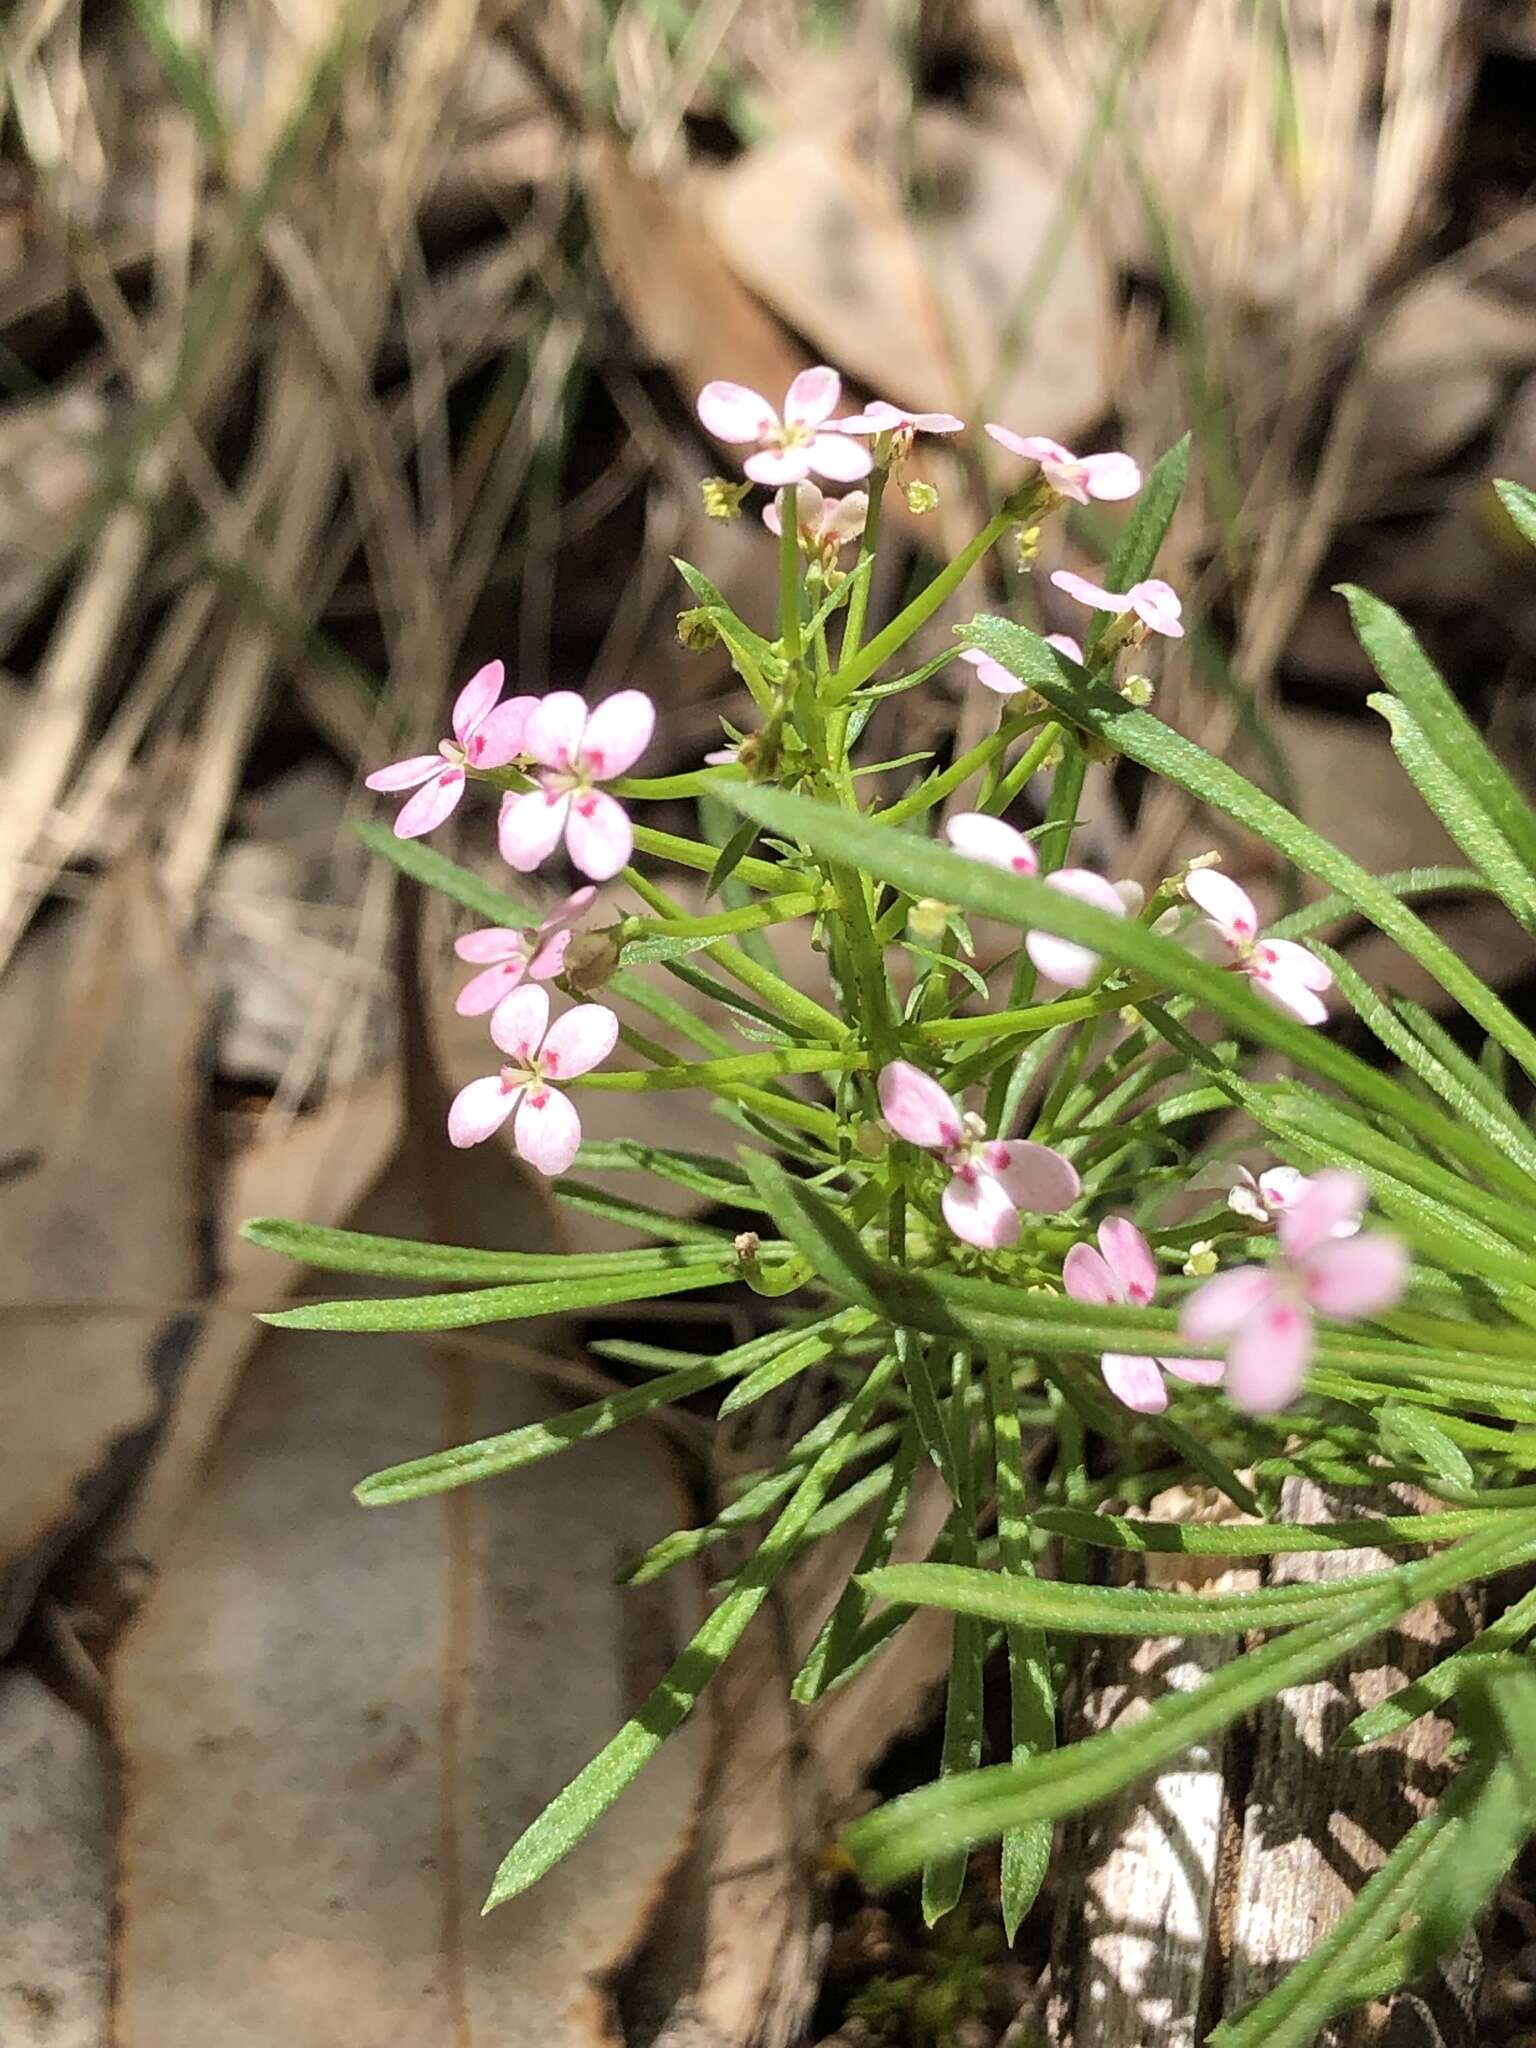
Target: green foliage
x,y
902,1348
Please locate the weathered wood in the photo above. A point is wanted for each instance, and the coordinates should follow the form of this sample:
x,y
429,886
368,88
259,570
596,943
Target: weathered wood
x,y
1190,1896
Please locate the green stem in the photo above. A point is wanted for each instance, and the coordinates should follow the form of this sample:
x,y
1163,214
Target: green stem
x,y
789,577
937,787
1023,770
922,608
723,1073
1039,1016
858,604
751,917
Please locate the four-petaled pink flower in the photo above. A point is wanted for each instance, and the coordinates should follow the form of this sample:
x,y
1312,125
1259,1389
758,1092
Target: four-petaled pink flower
x,y
881,417
574,750
539,1054
1154,602
825,525
486,734
1264,1313
514,956
1079,477
1003,680
980,837
1123,1271
1229,933
991,1179
788,449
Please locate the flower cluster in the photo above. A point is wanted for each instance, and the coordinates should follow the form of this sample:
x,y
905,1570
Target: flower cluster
x,y
559,765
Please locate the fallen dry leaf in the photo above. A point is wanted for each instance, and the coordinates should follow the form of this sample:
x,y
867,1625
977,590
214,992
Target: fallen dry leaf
x,y
332,1723
98,1217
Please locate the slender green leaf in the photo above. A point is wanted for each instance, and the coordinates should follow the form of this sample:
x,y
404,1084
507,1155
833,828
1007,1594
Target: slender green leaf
x,y
1520,504
583,1802
400,1258
496,1304
1442,1681
434,870
1136,551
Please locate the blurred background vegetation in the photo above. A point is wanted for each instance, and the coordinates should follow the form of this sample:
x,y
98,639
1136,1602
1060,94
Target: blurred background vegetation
x,y
345,346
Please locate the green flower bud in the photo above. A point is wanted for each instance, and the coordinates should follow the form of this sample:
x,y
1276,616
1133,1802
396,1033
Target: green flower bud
x,y
722,499
921,498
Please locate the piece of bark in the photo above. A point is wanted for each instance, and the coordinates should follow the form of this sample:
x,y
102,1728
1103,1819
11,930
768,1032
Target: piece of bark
x,y
1320,1820
1137,1905
1190,1896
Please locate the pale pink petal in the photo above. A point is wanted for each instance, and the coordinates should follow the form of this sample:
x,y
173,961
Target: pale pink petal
x,y
486,989
977,1209
1065,644
1135,1382
530,826
731,412
575,905
1111,476
916,1107
519,1021
1032,1176
1224,1303
550,957
405,774
432,803
1229,907
1267,1358
1085,592
777,466
813,397
936,422
555,729
773,519
1033,447
480,1109
1086,1276
1157,605
1198,1372
1063,960
839,457
476,698
980,837
1355,1276
1294,963
498,738
997,678
1129,1257
618,733
1281,1187
807,501
598,835
1333,1197
1288,995
1132,897
548,1131
579,1041
843,518
879,417
491,942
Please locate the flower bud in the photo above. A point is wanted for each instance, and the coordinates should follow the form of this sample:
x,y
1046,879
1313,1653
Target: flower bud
x,y
697,629
746,1245
592,959
1136,690
1202,1260
870,1141
921,498
722,498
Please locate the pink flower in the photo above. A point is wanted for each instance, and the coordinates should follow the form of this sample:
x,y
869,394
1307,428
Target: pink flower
x,y
788,449
1155,603
881,417
515,956
1002,680
991,1179
1278,968
575,750
548,1130
1123,1271
826,525
1264,1313
980,837
1265,1197
1079,477
486,734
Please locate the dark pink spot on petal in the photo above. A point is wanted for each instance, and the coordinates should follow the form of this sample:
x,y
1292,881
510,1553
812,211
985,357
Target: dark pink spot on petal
x,y
1019,864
